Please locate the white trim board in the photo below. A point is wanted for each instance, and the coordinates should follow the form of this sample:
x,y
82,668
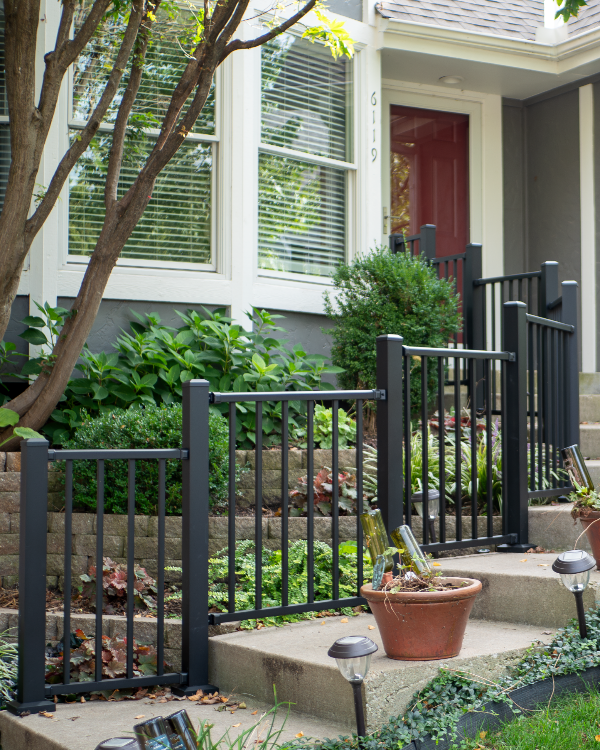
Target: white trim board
x,y
485,158
587,201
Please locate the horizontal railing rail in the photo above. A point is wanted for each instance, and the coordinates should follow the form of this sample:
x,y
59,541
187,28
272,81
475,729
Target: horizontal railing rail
x,y
325,395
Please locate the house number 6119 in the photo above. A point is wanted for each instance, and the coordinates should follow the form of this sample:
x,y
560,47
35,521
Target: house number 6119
x,y
374,103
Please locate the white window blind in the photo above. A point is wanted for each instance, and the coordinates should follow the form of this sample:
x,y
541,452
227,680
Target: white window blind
x,y
176,227
306,108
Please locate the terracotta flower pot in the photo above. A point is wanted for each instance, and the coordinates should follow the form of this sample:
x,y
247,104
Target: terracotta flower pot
x,y
592,531
425,625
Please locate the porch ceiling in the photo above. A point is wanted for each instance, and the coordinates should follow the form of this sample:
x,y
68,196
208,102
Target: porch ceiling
x,y
515,76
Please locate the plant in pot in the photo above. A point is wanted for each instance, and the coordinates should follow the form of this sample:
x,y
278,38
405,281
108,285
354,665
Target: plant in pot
x,y
585,498
421,615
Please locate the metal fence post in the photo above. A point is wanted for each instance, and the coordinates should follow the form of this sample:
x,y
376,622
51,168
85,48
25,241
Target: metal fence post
x,y
570,307
31,682
514,427
427,241
396,242
390,477
548,288
194,540
474,314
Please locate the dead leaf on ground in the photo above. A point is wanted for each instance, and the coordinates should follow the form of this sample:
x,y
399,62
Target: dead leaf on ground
x,y
47,714
239,724
523,560
546,632
371,627
82,699
242,705
543,565
300,734
193,697
74,718
323,623
254,712
141,716
344,619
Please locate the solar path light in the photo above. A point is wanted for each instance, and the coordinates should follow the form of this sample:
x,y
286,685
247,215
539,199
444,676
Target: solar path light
x,y
353,657
575,568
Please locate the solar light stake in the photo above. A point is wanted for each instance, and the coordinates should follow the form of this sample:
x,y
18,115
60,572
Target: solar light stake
x,y
353,656
575,568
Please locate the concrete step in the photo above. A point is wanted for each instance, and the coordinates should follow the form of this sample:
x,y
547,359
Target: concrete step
x,y
520,588
294,658
589,440
589,407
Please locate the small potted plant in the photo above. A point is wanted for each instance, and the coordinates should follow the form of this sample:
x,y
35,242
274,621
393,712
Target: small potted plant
x,y
421,615
586,507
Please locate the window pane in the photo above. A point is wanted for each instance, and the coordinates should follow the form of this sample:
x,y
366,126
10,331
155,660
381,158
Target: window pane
x,y
301,216
165,62
306,98
176,226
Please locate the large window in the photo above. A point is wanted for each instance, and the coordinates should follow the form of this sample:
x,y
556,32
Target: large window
x,y
305,156
177,224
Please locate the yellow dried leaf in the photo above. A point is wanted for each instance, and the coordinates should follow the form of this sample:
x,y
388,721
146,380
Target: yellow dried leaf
x,y
254,713
237,725
300,734
482,735
344,619
437,565
323,623
47,714
597,738
193,697
371,627
141,716
523,560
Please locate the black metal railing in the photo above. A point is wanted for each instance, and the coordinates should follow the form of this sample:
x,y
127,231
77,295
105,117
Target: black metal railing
x,y
553,393
423,242
33,693
310,398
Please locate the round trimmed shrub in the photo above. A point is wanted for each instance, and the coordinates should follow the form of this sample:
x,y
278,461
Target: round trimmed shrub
x,y
381,293
150,427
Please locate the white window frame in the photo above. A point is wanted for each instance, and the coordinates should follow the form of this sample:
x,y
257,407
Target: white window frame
x,y
214,139
350,168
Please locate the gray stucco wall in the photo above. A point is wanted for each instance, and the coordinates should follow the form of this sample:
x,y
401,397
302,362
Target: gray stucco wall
x,y
114,316
513,151
305,329
553,206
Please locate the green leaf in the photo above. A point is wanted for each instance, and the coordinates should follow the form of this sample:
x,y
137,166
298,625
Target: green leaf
x,y
34,320
26,433
8,417
33,336
149,380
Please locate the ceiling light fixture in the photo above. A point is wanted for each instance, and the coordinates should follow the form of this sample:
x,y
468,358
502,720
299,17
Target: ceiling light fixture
x,y
449,80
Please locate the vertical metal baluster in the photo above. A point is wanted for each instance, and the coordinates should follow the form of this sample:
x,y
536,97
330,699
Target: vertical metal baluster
x,y
407,443
554,399
258,508
489,448
130,562
474,477
511,285
540,407
504,504
520,289
485,316
284,502
310,502
99,563
502,301
547,401
531,404
231,509
67,577
565,395
160,597
424,450
359,491
442,450
529,297
457,455
335,511
493,334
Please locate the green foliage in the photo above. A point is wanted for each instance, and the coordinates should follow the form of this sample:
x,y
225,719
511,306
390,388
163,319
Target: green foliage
x,y
8,418
380,293
151,427
114,659
323,429
272,581
8,669
153,361
584,497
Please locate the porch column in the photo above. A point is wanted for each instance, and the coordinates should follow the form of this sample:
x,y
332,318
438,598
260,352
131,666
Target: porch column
x,y
588,228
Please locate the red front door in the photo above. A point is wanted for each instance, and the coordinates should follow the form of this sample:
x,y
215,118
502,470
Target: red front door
x,y
429,175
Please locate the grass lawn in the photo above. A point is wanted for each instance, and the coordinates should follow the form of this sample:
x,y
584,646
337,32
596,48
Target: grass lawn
x,y
571,723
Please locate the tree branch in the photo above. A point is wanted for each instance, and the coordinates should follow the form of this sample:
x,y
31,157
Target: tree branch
x,y
115,158
35,222
238,44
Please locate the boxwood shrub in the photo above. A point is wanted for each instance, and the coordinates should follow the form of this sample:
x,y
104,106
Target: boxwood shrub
x,y
148,427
